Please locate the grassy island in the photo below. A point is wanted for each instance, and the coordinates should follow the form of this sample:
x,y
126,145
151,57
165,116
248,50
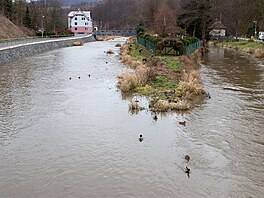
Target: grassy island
x,y
171,82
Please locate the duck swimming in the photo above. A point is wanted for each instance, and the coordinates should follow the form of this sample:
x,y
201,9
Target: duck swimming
x,y
183,123
140,138
187,171
187,157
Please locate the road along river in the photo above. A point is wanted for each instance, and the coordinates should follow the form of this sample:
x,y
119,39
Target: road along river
x,y
65,136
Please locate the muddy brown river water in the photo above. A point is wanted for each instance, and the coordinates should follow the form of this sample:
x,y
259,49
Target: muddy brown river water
x,y
76,138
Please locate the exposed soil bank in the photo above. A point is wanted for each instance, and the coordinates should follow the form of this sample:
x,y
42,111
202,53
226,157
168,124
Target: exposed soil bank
x,y
9,30
172,83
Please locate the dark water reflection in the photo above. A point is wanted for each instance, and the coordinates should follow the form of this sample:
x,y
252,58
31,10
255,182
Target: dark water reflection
x,y
76,138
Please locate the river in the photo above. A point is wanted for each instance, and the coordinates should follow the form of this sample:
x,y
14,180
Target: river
x,y
62,137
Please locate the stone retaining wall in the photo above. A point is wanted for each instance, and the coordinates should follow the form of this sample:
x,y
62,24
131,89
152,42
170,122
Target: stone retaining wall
x,y
12,53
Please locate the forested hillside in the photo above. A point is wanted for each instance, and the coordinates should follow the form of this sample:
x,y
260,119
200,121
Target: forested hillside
x,y
188,16
70,2
236,15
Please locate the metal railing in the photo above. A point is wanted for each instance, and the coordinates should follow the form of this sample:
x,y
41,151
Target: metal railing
x,y
149,45
193,46
115,32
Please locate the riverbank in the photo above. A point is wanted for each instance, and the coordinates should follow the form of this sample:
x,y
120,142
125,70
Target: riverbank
x,y
171,82
249,47
106,38
11,53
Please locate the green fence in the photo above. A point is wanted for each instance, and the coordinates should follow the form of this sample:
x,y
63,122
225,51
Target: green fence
x,y
147,44
192,47
168,50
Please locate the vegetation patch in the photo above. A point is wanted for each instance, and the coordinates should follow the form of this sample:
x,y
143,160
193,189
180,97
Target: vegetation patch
x,y
106,38
163,82
173,63
245,44
77,43
170,82
136,51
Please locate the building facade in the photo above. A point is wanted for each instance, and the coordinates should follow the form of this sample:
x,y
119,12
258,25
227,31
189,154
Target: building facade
x,y
218,30
80,22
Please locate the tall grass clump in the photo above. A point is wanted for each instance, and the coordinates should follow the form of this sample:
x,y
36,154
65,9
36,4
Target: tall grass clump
x,y
128,81
191,83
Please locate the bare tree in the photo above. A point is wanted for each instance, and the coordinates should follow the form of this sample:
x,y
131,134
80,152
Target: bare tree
x,y
165,21
19,8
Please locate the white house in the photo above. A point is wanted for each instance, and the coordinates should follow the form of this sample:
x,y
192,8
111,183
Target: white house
x,y
218,30
80,22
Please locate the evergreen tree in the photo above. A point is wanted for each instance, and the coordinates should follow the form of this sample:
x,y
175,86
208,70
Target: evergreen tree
x,y
27,19
19,8
196,17
8,10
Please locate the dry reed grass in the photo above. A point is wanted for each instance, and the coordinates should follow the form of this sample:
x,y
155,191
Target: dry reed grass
x,y
191,83
188,63
259,53
134,106
130,80
108,52
165,105
106,38
181,105
77,43
248,50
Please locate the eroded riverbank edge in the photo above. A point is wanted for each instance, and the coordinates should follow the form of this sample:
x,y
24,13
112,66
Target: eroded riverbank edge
x,y
243,47
168,89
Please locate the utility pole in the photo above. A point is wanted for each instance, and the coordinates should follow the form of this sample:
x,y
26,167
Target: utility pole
x,y
255,27
42,28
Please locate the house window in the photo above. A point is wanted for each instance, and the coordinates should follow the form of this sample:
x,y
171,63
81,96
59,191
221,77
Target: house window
x,y
76,18
75,23
76,28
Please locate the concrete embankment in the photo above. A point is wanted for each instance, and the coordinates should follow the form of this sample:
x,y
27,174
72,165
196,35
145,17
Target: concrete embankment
x,y
12,53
